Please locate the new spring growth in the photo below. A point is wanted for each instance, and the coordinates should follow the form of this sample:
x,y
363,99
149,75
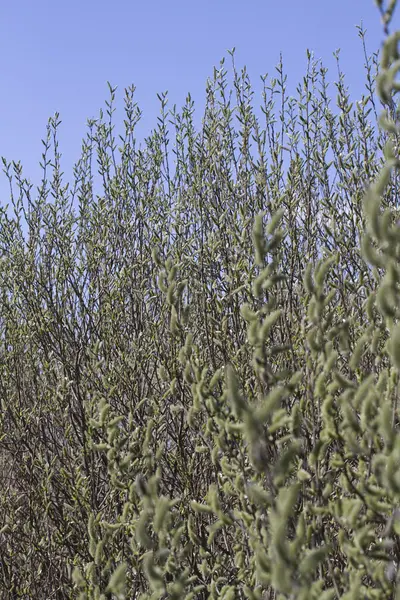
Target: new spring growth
x,y
394,346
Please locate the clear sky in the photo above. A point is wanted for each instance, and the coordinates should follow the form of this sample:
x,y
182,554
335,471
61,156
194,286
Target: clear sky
x,y
58,56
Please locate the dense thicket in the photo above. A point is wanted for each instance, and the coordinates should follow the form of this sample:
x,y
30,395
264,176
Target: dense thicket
x,y
198,399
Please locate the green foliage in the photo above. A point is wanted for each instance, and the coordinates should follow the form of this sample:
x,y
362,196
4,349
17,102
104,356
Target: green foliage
x,y
200,364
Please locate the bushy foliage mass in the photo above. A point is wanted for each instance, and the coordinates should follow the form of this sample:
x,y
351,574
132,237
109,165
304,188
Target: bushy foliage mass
x,y
199,366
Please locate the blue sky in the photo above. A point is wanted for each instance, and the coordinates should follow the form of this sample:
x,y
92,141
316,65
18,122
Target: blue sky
x,y
58,56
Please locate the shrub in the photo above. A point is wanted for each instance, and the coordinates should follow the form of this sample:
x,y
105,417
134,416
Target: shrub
x,y
199,366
